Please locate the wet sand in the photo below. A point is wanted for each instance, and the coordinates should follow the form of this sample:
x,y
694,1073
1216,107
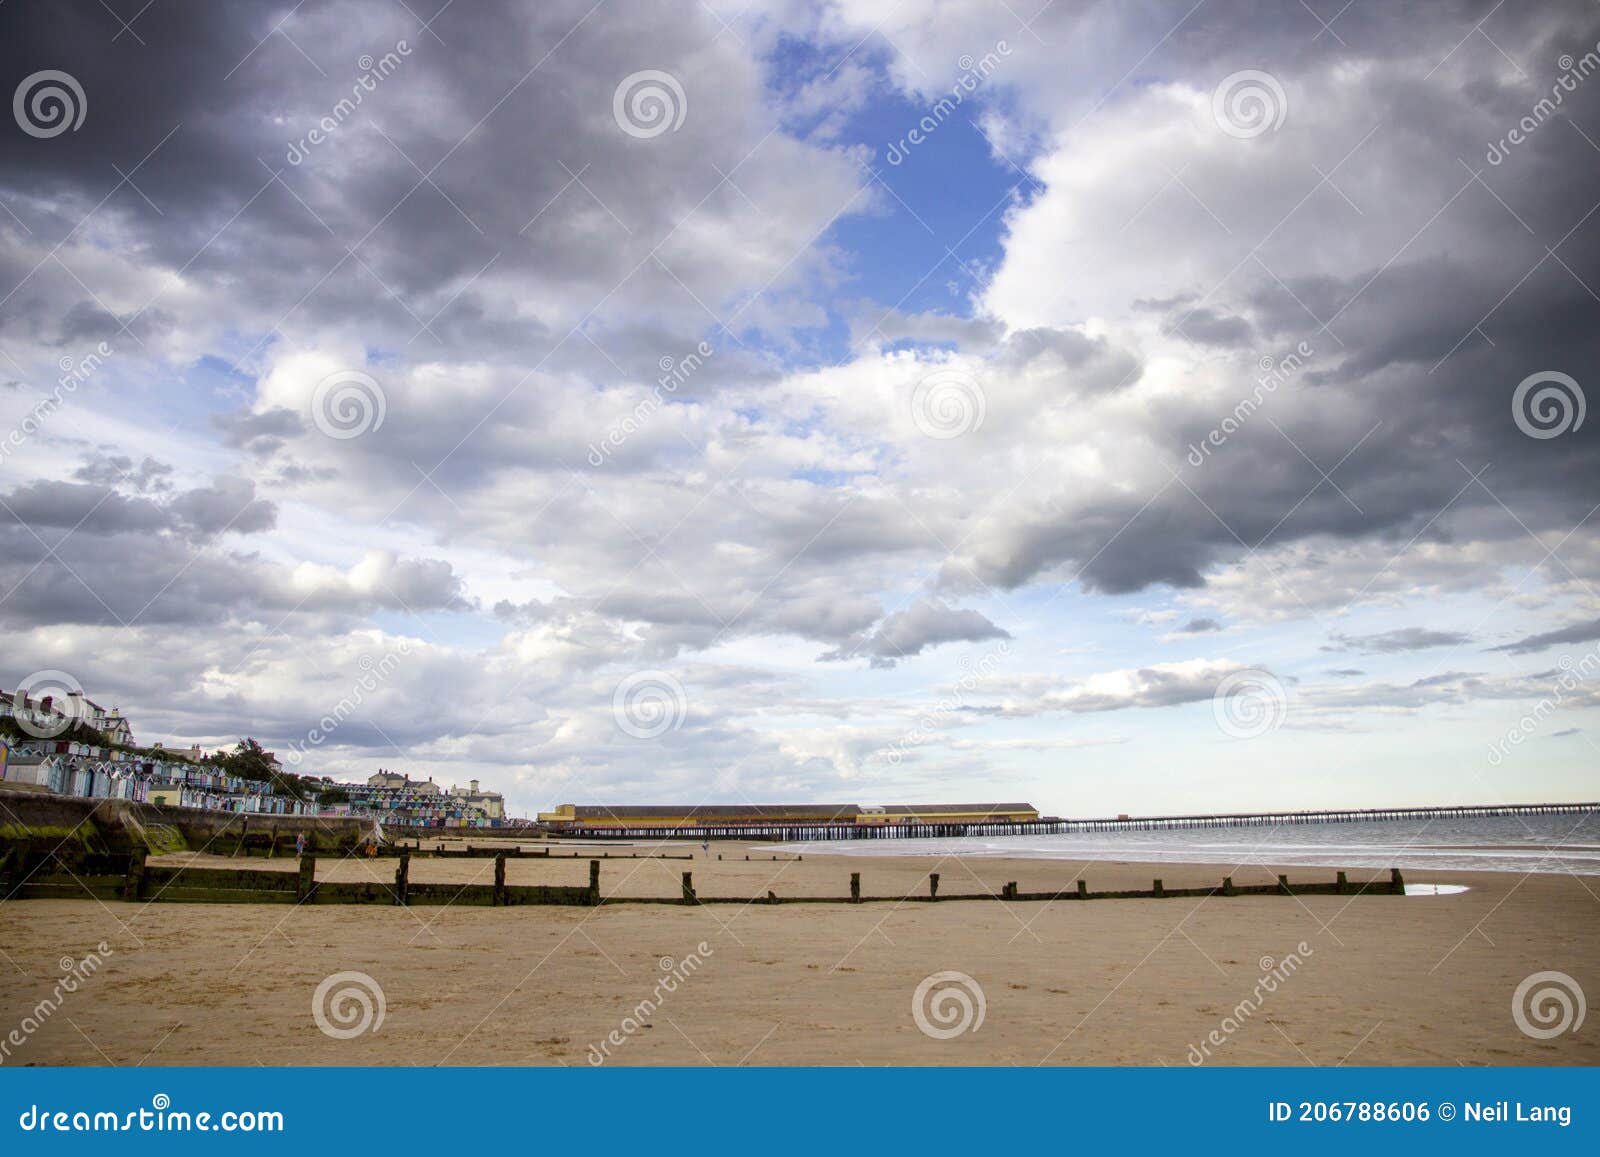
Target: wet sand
x,y
1381,980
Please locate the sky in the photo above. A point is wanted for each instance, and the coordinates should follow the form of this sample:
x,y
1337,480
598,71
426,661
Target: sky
x,y
1122,407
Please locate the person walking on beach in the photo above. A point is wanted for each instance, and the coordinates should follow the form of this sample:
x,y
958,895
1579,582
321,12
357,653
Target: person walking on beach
x,y
300,843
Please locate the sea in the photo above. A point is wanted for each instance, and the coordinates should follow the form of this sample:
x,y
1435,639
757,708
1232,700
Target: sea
x,y
1556,844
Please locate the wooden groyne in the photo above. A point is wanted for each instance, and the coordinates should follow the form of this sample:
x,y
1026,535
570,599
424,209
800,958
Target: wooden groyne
x,y
788,833
27,874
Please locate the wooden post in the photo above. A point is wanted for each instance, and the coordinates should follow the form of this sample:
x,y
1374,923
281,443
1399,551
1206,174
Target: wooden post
x,y
1227,886
244,829
1159,890
688,888
1342,883
402,878
933,885
1397,882
594,882
307,882
1283,885
499,879
855,887
133,882
1083,889
272,848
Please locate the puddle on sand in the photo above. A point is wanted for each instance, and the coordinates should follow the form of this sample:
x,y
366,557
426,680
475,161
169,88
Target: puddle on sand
x,y
1435,889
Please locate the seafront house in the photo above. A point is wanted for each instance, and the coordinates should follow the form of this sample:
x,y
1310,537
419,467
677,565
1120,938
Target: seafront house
x,y
55,715
395,799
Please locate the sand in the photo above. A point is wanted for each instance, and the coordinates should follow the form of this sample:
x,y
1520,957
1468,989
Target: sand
x,y
1381,980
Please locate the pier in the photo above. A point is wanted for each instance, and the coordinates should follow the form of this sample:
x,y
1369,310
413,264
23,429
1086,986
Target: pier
x,y
1061,827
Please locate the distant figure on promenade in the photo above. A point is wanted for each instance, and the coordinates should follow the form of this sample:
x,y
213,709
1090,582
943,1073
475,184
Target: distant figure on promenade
x,y
300,843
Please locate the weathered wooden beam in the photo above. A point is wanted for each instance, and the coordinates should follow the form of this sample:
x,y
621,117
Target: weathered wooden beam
x,y
402,878
133,882
307,881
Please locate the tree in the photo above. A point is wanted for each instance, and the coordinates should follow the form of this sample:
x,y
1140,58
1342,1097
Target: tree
x,y
249,760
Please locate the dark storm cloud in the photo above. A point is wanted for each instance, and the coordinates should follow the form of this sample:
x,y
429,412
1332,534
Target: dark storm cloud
x,y
459,159
1433,314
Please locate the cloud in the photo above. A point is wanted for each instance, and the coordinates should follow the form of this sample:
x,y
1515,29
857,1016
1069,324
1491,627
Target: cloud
x,y
1122,357
1157,685
1544,640
1397,641
907,633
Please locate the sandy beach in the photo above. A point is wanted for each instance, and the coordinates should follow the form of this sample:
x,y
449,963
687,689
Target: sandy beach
x,y
1362,980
